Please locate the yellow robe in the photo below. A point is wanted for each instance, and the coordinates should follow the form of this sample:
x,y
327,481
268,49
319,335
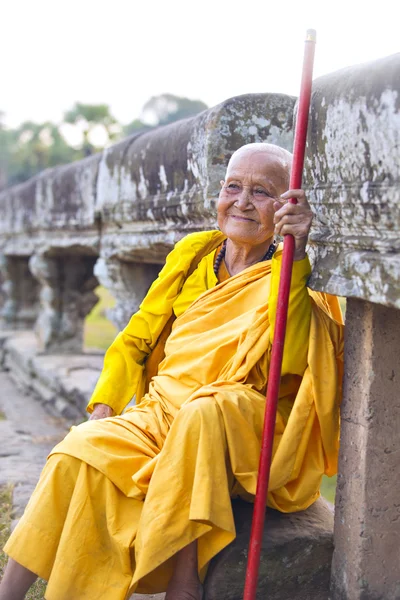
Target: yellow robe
x,y
173,462
173,292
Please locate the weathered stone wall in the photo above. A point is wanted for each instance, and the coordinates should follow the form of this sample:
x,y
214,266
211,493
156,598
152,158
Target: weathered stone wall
x,y
127,207
353,176
367,526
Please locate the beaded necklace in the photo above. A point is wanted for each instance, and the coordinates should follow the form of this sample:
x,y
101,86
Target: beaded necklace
x,y
221,255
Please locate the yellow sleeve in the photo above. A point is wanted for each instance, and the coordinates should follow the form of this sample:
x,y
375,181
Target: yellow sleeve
x,y
299,314
124,360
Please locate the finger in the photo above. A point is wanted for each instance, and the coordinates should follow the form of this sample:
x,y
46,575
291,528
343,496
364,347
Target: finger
x,y
298,194
302,212
296,230
299,227
294,209
279,204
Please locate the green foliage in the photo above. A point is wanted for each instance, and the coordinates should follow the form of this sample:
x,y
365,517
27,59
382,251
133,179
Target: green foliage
x,y
91,113
88,116
99,332
328,488
34,147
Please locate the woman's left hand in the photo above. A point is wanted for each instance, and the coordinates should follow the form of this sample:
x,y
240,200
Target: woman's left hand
x,y
101,411
294,219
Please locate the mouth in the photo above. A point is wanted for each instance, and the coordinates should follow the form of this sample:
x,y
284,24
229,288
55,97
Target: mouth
x,y
238,218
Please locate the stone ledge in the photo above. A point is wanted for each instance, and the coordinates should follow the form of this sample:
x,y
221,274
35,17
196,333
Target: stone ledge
x,y
62,383
295,557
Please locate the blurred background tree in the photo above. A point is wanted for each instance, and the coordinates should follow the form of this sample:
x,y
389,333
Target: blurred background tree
x,y
91,118
85,129
33,147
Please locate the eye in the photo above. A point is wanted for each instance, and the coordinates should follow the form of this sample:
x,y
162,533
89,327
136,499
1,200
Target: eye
x,y
260,192
233,188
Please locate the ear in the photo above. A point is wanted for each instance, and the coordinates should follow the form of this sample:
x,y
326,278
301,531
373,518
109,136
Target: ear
x,y
222,183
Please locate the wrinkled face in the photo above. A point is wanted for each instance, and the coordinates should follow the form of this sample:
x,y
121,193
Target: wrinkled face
x,y
254,181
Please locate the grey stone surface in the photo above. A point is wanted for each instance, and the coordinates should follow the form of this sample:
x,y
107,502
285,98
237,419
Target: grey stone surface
x,y
55,209
20,293
366,563
62,384
165,182
66,298
128,282
295,557
353,177
27,434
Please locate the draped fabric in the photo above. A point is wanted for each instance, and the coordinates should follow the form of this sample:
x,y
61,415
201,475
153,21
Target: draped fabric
x,y
163,474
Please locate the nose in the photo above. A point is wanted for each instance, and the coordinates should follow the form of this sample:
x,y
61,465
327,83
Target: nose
x,y
243,200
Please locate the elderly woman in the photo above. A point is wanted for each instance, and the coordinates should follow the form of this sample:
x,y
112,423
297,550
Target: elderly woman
x,y
142,501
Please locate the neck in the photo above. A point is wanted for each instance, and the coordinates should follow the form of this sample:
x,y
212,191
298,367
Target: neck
x,y
240,256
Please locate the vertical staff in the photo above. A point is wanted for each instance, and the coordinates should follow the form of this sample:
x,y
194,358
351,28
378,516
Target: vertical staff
x,y
274,375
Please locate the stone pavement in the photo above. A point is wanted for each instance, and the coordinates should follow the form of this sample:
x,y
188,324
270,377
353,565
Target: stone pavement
x,y
27,434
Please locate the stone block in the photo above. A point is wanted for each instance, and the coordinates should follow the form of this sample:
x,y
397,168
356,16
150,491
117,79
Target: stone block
x,y
352,172
20,293
295,557
366,562
66,296
128,282
63,384
58,205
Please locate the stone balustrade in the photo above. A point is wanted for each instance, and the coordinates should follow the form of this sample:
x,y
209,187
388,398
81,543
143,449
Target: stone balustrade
x,y
112,218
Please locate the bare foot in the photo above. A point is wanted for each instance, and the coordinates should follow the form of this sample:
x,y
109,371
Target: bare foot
x,y
184,591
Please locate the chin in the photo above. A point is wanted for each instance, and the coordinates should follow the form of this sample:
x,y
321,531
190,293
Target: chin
x,y
241,236
246,234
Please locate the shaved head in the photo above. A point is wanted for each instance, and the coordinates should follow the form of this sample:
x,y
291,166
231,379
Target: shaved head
x,y
281,157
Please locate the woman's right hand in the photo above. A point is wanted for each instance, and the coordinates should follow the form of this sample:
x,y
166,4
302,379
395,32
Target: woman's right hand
x,y
101,411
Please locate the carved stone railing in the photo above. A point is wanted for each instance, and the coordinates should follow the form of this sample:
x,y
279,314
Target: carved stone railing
x,y
113,217
124,208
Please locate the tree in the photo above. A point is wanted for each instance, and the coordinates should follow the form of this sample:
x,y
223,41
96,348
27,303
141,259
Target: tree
x,y
160,110
33,147
89,116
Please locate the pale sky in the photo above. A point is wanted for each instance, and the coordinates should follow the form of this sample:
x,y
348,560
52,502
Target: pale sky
x,y
121,52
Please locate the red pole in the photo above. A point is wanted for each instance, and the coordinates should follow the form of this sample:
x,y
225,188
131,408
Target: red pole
x,y
280,329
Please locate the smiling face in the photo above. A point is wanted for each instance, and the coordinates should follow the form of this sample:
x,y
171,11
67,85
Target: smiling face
x,y
257,175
